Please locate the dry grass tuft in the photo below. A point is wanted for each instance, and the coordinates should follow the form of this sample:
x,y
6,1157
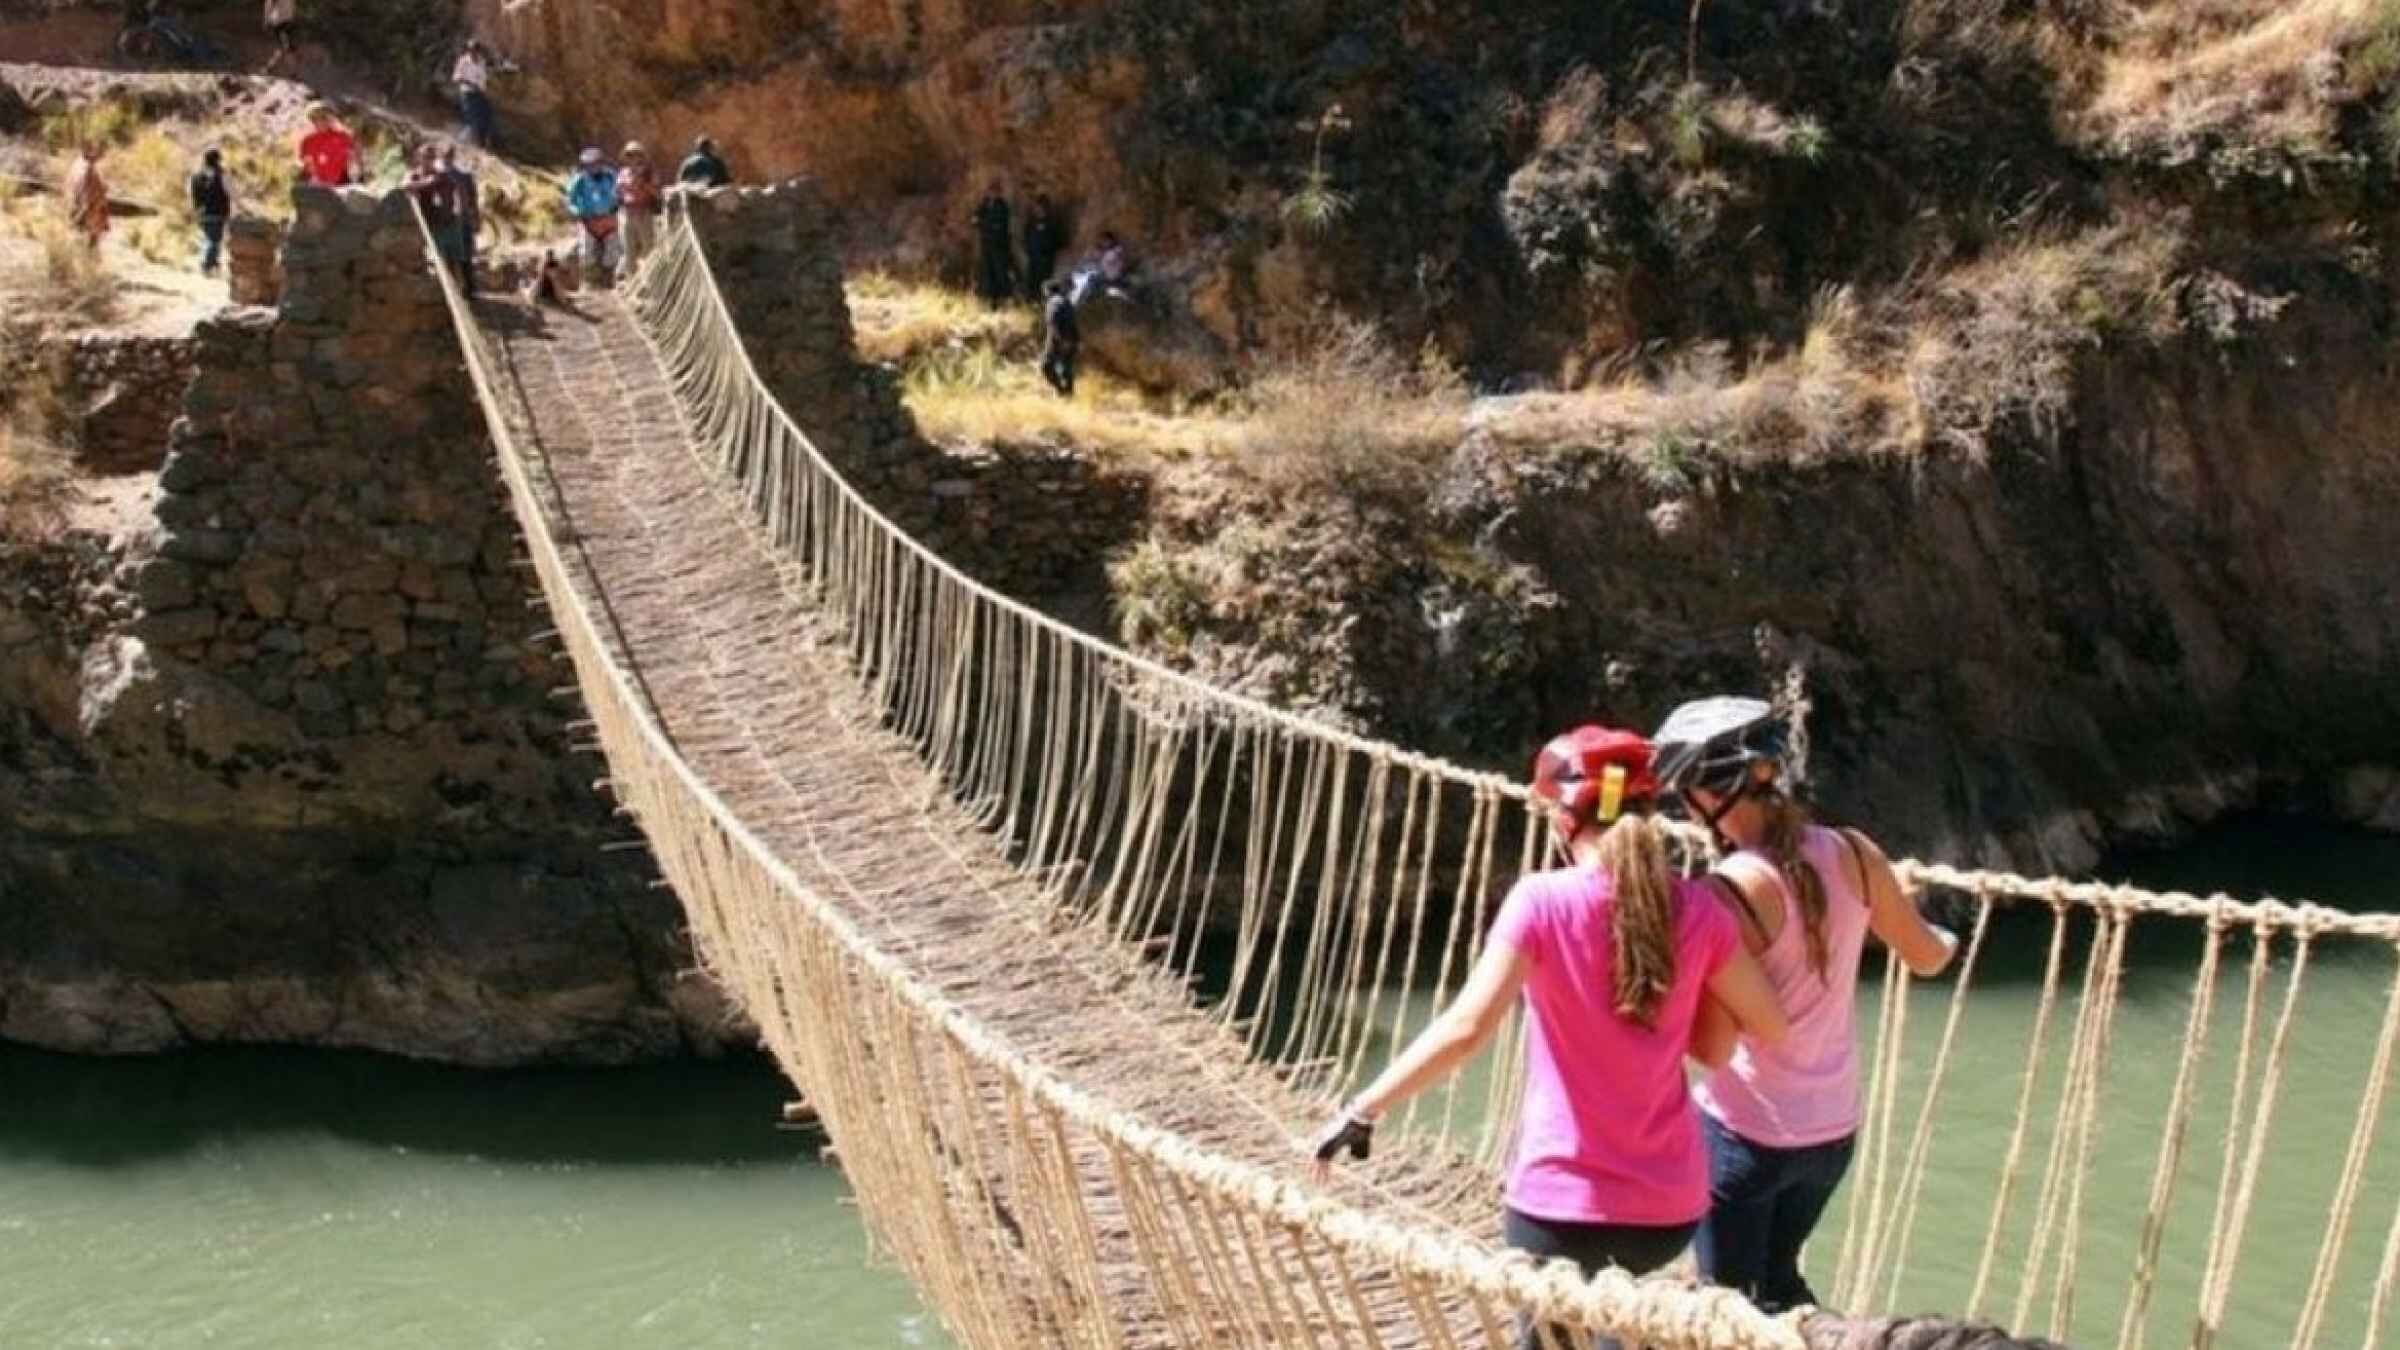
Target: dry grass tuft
x,y
37,485
59,279
1351,412
1948,363
1346,411
37,477
2262,76
901,321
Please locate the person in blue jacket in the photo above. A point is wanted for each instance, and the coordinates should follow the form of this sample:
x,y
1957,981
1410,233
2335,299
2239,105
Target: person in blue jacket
x,y
592,200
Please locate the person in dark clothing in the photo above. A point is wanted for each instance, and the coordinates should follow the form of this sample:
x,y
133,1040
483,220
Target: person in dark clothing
x,y
437,198
468,196
213,205
1058,354
704,167
1045,235
994,260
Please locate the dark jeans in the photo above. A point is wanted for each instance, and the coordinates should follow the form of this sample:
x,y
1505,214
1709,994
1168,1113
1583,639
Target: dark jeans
x,y
1058,366
994,268
1763,1204
212,241
475,109
1591,1246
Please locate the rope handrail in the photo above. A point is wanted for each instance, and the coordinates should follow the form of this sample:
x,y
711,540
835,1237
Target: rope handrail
x,y
1998,883
1700,1317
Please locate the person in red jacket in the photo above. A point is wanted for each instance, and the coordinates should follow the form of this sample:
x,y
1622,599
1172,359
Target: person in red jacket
x,y
328,153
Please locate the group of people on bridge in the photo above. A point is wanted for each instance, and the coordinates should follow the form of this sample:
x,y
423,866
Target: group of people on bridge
x,y
1627,971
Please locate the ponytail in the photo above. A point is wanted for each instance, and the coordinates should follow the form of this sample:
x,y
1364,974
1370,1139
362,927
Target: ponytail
x,y
1634,854
1786,829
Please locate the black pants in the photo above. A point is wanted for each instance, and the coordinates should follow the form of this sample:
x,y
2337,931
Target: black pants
x,y
1058,366
1636,1249
1763,1204
1039,264
994,266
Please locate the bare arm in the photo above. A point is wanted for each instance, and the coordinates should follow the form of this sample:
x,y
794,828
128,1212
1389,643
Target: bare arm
x,y
1714,1032
1893,916
1455,1036
1742,987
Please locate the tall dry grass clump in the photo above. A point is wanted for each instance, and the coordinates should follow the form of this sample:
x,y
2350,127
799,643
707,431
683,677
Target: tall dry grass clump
x,y
37,484
1955,361
59,279
37,478
1352,412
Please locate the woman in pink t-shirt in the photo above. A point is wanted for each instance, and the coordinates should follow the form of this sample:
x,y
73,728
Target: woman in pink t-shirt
x,y
1613,954
1780,1118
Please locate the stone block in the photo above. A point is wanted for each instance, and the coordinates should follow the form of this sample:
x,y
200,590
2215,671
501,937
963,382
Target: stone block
x,y
391,637
371,573
280,538
269,596
166,584
202,545
189,470
419,582
362,611
178,627
181,509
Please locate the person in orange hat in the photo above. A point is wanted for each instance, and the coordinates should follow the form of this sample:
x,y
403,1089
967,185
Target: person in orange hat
x,y
1617,959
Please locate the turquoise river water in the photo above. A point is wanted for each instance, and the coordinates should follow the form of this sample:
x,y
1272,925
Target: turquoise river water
x,y
281,1200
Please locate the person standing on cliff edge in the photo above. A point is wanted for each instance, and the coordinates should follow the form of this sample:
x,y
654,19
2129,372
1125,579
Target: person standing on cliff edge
x,y
993,246
436,192
283,25
1065,339
704,167
212,205
328,150
469,194
471,74
87,197
1045,235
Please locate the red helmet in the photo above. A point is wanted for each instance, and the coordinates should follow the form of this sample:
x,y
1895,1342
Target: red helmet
x,y
1593,773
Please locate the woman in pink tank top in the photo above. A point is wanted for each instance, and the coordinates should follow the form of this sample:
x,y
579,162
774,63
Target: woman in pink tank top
x,y
1615,958
1779,1118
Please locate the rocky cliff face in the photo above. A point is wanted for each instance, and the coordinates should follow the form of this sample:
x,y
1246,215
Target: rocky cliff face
x,y
283,762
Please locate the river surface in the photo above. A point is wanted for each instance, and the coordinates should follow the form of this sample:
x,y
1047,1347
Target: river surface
x,y
274,1200
278,1200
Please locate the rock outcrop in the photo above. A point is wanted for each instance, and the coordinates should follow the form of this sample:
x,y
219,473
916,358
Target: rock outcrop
x,y
288,764
1034,522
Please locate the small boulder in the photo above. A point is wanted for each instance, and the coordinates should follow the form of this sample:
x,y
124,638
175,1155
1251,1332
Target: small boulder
x,y
1140,336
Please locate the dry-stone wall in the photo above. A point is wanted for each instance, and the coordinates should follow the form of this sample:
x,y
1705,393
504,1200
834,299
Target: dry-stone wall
x,y
110,397
310,783
1035,523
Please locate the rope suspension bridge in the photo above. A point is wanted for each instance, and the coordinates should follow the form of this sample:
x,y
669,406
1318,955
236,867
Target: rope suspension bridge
x,y
1067,949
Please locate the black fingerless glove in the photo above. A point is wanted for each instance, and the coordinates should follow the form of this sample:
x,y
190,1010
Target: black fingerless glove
x,y
1347,1131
